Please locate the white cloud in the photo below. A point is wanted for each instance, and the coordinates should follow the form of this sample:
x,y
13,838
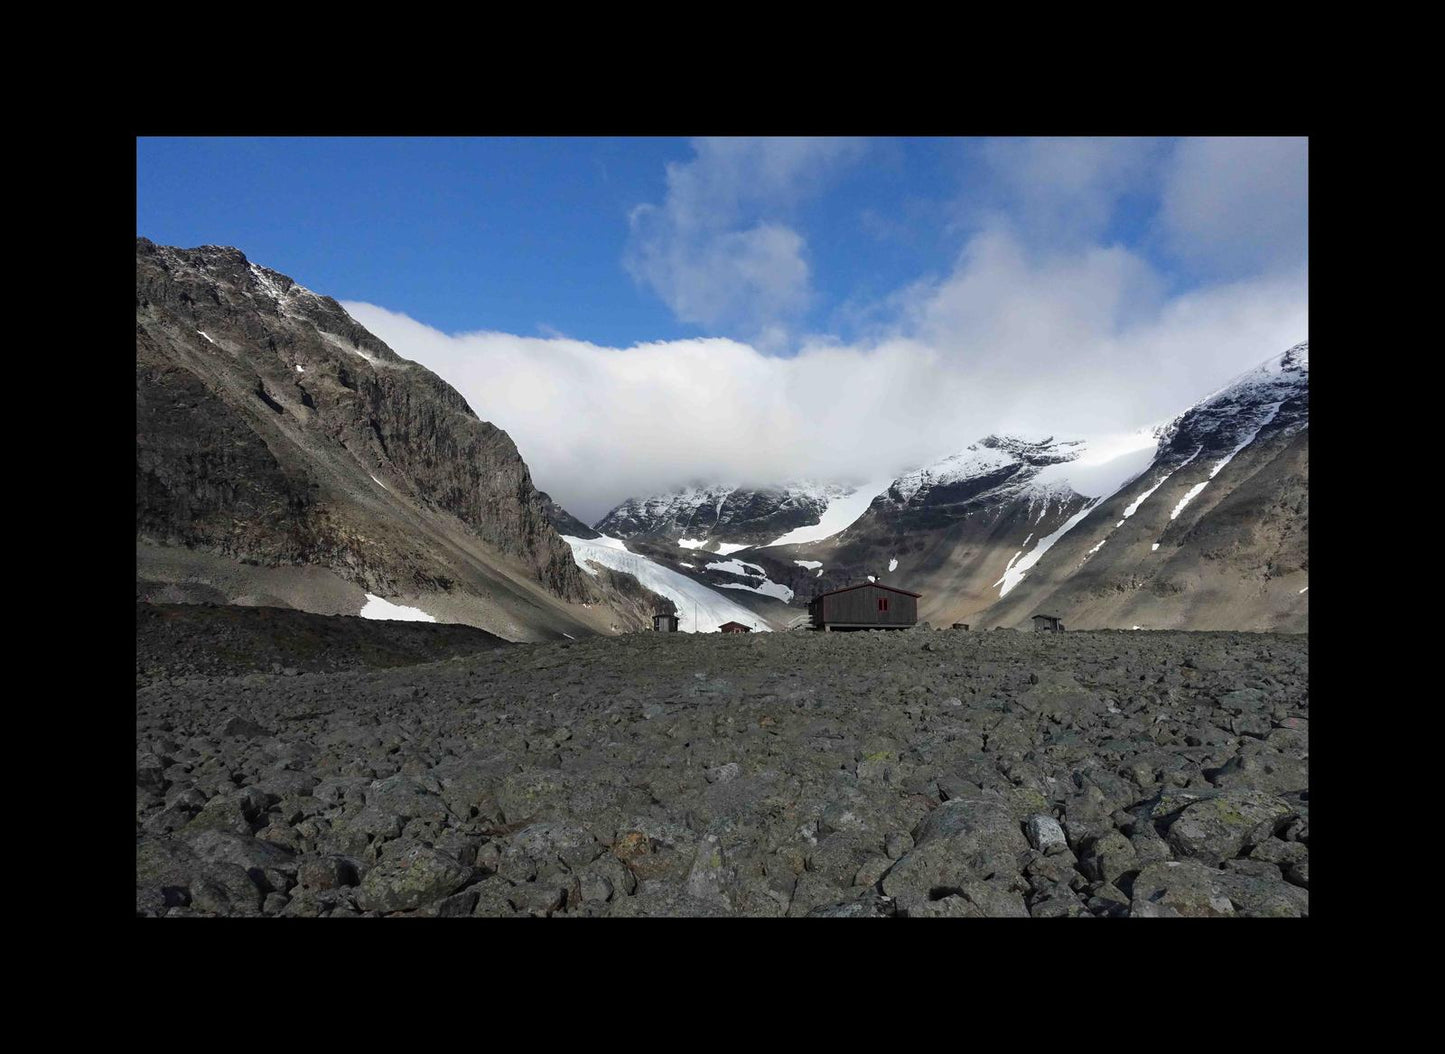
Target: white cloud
x,y
1064,191
1238,206
1037,327
717,250
1074,344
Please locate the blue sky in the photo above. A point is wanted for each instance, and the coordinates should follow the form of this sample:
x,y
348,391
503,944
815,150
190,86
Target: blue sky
x,y
755,288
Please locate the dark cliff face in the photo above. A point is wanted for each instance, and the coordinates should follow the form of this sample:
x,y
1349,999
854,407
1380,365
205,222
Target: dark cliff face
x,y
563,521
262,408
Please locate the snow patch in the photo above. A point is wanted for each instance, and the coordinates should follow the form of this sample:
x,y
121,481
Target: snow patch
x,y
1154,547
1189,496
300,368
723,548
1194,491
893,564
378,482
1303,590
207,336
768,588
737,567
699,609
809,564
841,513
346,345
376,608
1014,573
1134,505
1104,465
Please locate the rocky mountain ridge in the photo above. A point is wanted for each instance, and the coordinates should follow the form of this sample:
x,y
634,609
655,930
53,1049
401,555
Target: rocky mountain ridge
x,y
275,432
722,514
974,530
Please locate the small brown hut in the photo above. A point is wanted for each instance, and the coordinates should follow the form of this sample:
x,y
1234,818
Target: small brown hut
x,y
1047,624
734,627
870,605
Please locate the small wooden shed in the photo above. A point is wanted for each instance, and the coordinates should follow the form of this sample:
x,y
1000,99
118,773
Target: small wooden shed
x,y
664,622
734,627
1047,624
870,605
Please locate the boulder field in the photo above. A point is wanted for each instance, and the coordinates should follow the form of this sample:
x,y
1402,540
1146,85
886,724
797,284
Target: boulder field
x,y
907,774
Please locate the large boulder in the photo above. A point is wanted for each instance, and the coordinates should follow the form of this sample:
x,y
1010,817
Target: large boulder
x,y
1221,827
409,876
965,840
1179,888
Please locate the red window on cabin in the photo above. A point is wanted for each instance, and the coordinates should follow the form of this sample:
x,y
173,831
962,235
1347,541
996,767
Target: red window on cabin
x,y
882,603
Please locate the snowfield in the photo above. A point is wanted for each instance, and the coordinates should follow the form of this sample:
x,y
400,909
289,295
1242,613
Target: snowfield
x,y
842,512
377,608
699,609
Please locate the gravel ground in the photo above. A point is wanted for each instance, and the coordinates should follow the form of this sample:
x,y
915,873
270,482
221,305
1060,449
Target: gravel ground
x,y
912,774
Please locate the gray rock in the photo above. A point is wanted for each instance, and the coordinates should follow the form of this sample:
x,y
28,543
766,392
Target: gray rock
x,y
408,876
1044,831
1182,888
1221,827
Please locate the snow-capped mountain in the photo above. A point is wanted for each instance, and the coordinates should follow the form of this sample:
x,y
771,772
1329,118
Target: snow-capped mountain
x,y
1045,472
991,532
1213,535
722,518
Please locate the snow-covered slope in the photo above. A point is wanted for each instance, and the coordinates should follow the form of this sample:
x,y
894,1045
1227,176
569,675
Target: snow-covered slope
x,y
699,609
842,510
1212,535
1040,470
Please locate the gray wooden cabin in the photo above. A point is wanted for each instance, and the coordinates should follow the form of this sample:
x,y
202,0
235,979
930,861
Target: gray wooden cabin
x,y
867,606
663,622
1047,624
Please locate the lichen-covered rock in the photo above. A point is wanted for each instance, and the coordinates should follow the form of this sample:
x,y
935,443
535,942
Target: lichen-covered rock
x,y
1222,826
1179,888
409,876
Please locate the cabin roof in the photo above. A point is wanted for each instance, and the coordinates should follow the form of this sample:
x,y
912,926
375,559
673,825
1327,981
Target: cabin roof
x,y
725,625
1051,618
865,585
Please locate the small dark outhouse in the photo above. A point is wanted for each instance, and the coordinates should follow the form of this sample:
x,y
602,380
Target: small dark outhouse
x,y
663,622
734,627
870,605
960,625
1047,624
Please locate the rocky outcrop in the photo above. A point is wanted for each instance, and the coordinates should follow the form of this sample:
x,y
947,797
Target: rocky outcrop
x,y
562,520
274,429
